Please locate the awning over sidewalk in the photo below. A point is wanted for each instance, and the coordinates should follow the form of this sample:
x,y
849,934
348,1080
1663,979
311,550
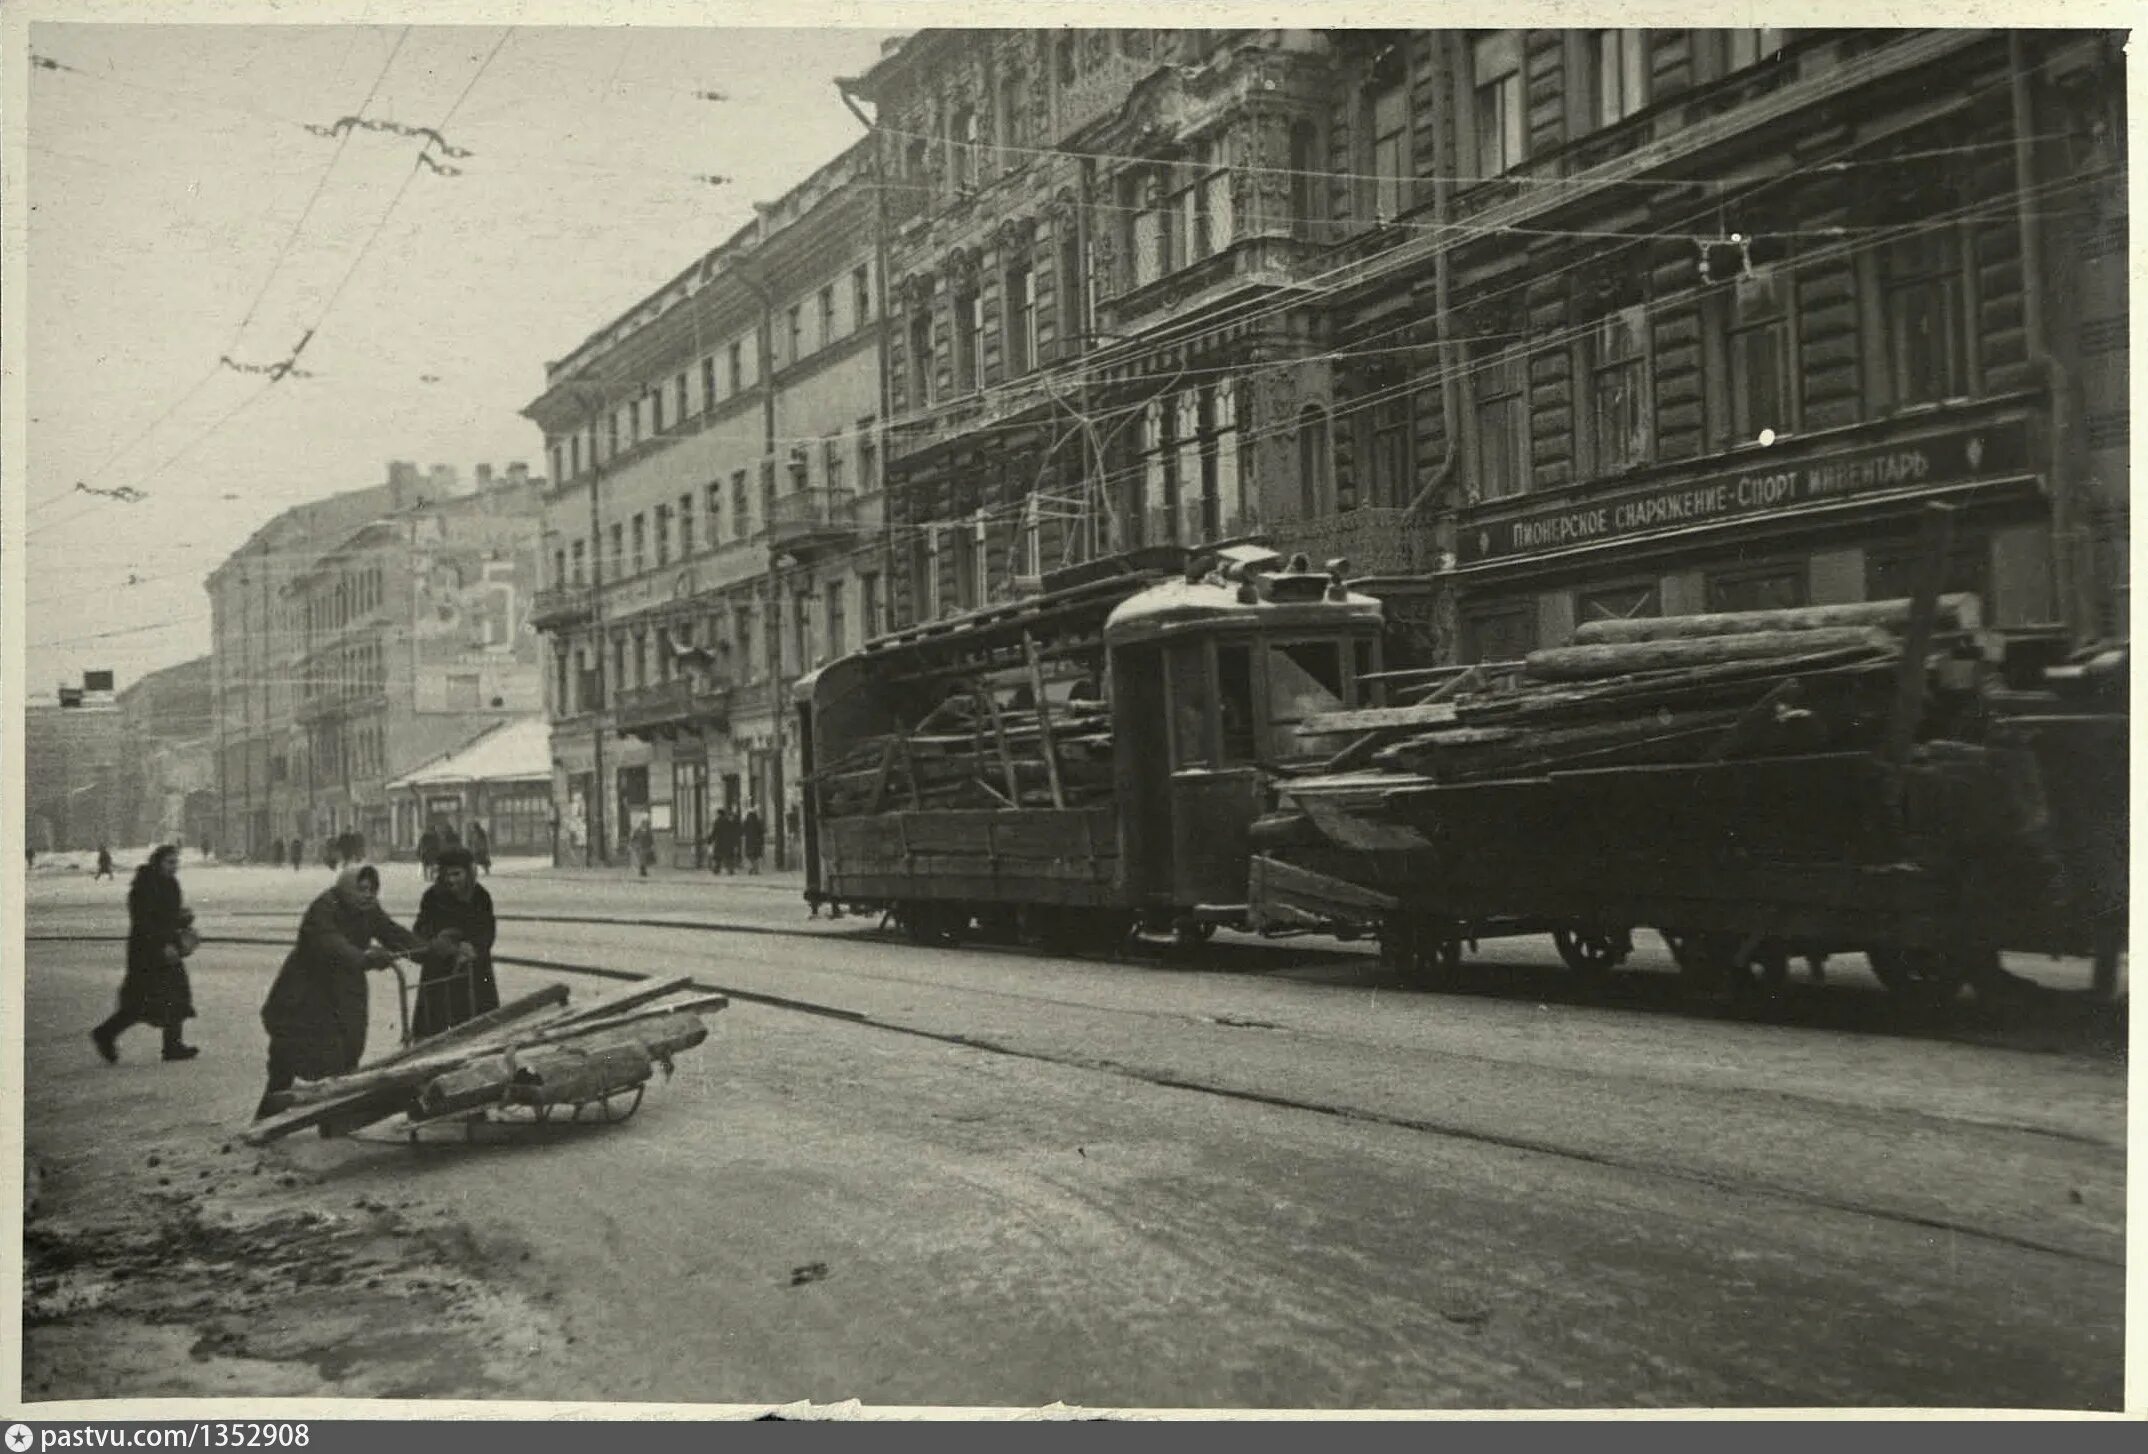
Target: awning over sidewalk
x,y
516,751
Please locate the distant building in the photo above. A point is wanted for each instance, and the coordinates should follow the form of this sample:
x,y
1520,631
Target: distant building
x,y
358,636
169,773
502,779
728,427
74,755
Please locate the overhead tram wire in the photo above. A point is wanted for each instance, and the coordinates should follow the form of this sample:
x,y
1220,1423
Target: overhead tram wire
x,y
379,226
282,254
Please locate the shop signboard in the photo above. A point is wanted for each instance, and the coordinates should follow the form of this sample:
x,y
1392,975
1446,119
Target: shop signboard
x,y
1768,486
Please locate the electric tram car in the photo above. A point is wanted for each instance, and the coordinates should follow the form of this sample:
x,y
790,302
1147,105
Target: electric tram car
x,y
1082,764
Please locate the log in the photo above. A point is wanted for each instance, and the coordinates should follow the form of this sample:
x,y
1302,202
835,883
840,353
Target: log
x,y
573,1074
1958,612
482,1082
1594,663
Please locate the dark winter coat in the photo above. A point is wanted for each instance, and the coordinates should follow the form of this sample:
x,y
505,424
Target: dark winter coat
x,y
753,835
316,1010
448,994
725,837
155,989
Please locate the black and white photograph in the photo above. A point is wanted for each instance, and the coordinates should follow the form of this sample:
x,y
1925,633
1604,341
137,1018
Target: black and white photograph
x,y
906,707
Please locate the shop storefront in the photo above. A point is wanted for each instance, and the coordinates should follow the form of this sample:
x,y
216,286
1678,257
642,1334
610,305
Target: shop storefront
x,y
1828,520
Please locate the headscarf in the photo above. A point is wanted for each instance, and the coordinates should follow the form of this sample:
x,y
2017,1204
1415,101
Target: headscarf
x,y
353,873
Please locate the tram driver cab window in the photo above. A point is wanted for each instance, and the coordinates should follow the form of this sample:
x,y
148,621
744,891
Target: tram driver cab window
x,y
1305,679
1234,703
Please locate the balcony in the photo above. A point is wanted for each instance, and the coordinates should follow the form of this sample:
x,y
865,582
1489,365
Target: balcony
x,y
805,522
558,608
681,707
1377,541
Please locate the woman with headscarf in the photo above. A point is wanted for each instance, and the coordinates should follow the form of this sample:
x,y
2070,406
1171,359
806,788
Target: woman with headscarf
x,y
160,934
316,1012
455,976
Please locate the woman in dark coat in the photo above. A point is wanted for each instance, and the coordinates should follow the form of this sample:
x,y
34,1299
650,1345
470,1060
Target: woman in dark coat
x,y
159,936
316,1010
455,918
752,838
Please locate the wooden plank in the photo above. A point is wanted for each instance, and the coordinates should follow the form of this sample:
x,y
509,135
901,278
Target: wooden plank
x,y
1374,719
1044,719
1593,663
519,1008
1006,758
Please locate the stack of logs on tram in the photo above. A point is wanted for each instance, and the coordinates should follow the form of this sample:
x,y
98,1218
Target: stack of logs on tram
x,y
971,752
1677,689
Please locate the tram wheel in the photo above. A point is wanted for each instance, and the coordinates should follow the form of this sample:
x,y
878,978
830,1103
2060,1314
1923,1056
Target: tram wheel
x,y
1188,932
1591,952
1924,977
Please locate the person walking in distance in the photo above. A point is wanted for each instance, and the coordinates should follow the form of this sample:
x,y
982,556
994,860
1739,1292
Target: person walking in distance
x,y
480,847
726,842
644,844
160,935
298,854
316,1011
104,864
753,838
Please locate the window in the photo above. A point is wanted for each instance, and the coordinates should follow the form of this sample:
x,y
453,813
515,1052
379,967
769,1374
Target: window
x,y
1201,210
1618,389
1071,313
1014,115
794,318
1316,485
686,526
735,360
967,543
1503,424
861,297
1148,227
1305,679
708,382
768,484
655,400
969,343
713,503
919,352
831,463
641,532
663,654
1762,381
1891,570
1921,293
868,458
577,558
742,631
833,624
827,315
1307,180
619,676
1190,694
574,454
1618,74
1390,430
1389,114
559,460
641,659
1020,311
1779,587
801,469
663,535
1618,603
1504,632
612,429
559,566
962,149
618,548
1497,109
1742,48
870,611
678,400
802,630
739,512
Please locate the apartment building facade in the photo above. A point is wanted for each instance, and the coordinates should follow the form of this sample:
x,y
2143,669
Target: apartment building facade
x,y
716,527
355,637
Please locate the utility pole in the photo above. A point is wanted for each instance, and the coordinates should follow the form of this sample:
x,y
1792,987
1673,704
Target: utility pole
x,y
767,350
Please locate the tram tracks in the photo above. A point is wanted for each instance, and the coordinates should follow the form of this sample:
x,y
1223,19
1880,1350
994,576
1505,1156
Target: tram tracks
x,y
1336,1108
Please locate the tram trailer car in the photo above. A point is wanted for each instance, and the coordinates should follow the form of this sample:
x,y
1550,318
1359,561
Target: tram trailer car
x,y
1085,764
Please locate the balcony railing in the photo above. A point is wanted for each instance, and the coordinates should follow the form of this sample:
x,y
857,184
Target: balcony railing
x,y
1377,541
811,518
559,606
669,709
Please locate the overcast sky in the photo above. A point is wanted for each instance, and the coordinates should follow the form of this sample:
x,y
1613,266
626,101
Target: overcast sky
x,y
167,173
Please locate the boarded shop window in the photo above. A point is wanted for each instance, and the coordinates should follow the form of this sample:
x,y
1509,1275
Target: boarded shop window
x,y
1495,76
1618,389
1502,425
1891,570
1630,602
1505,632
1921,288
1779,587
